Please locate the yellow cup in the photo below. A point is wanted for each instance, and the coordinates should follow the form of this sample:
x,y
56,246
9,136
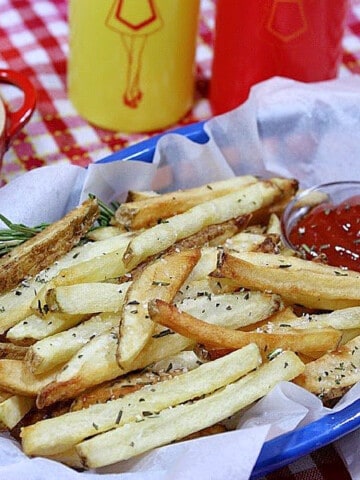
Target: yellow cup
x,y
131,62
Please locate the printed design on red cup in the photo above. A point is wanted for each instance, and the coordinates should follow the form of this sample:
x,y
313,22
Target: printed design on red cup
x,y
287,20
134,20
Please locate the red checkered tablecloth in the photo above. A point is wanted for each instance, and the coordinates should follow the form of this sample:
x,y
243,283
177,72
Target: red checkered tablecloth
x,y
34,41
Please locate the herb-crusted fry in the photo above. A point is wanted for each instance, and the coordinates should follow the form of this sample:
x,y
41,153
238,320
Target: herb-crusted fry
x,y
223,337
56,349
76,426
149,211
13,409
171,424
251,198
43,249
160,279
86,298
313,286
332,374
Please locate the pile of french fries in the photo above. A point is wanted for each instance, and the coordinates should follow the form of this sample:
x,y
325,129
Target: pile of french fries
x,y
185,311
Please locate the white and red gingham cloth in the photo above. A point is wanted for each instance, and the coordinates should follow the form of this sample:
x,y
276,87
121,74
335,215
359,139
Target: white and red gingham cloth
x,y
34,41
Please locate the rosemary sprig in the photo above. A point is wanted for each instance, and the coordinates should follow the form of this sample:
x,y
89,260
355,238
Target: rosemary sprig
x,y
17,233
106,212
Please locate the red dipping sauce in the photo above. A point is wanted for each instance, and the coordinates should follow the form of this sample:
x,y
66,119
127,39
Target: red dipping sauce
x,y
331,232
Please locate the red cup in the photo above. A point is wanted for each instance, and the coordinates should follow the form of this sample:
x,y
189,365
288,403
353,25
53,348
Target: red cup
x,y
12,121
259,39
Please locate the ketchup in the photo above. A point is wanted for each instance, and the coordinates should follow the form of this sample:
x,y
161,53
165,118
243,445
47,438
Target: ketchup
x,y
331,233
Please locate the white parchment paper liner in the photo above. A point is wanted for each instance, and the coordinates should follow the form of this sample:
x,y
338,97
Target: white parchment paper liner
x,y
307,131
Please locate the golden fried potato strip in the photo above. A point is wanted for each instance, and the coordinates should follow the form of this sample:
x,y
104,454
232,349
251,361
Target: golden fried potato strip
x,y
160,279
298,281
217,336
148,211
46,247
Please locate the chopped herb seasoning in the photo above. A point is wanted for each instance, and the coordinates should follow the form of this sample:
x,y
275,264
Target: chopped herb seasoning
x,y
160,283
274,353
163,333
118,418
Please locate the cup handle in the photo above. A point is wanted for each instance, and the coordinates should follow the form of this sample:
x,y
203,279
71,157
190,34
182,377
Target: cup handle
x,y
18,118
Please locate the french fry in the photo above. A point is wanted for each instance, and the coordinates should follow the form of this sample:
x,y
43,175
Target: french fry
x,y
293,264
82,372
199,282
16,378
171,424
164,369
15,305
237,309
13,409
34,328
212,235
70,458
99,269
86,298
14,352
135,195
57,349
160,279
314,286
46,247
274,225
222,337
4,395
103,233
205,432
160,237
344,319
332,374
208,236
245,242
97,262
146,212
74,427
206,264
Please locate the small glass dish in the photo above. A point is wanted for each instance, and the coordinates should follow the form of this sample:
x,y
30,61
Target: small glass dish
x,y
328,193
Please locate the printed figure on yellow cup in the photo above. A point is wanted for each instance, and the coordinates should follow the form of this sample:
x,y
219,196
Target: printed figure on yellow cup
x,y
135,20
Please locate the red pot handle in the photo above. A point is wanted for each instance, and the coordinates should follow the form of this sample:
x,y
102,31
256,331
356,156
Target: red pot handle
x,y
18,118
